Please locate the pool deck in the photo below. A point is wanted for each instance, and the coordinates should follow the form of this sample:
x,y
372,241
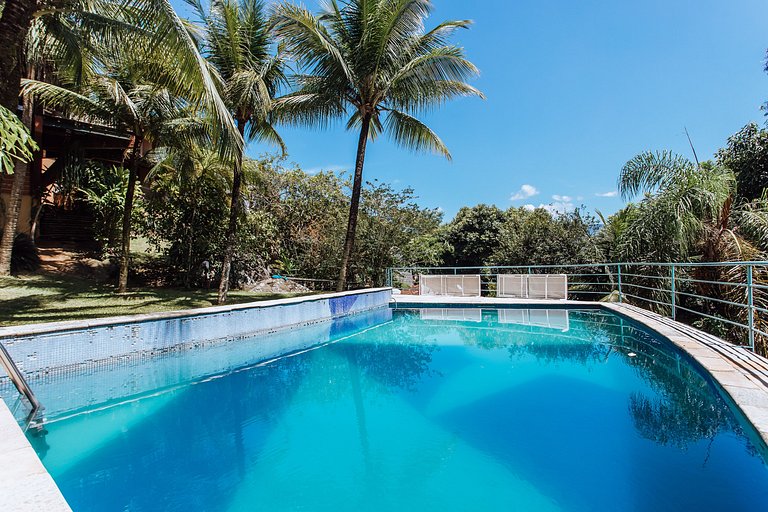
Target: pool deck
x,y
739,371
25,485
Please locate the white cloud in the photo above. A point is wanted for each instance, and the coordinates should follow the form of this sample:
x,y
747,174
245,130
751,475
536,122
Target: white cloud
x,y
612,193
525,192
529,207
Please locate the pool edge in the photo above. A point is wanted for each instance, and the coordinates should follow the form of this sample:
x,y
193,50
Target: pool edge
x,y
25,484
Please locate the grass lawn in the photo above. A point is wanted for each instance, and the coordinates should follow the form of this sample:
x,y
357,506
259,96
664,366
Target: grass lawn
x,y
52,298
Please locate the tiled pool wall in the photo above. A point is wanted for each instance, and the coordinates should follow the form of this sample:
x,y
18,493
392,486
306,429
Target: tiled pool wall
x,y
123,379
53,348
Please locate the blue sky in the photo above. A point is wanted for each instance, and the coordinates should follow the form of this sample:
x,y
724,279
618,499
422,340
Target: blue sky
x,y
574,90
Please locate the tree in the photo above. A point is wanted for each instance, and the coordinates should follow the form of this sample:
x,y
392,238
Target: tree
x,y
692,212
16,147
237,42
374,61
77,36
125,96
473,235
746,155
536,237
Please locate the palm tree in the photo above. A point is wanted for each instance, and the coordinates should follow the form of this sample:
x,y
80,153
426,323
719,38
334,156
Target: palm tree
x,y
125,97
74,36
691,211
236,40
373,61
683,203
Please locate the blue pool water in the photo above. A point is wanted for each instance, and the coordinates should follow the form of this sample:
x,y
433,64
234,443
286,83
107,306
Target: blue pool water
x,y
408,410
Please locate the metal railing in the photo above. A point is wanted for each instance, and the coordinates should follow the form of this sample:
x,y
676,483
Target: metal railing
x,y
728,299
18,380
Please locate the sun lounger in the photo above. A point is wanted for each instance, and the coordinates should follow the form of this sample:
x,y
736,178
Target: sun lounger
x,y
512,285
450,286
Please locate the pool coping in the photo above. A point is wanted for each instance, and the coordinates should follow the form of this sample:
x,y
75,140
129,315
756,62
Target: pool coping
x,y
742,374
12,331
25,484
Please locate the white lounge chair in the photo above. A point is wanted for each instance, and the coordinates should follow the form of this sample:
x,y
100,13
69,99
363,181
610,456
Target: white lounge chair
x,y
450,286
548,286
512,285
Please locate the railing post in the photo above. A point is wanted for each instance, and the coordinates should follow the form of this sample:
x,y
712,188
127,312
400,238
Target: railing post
x,y
672,290
618,272
750,308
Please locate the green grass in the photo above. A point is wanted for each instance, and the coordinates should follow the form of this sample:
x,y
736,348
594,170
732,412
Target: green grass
x,y
49,298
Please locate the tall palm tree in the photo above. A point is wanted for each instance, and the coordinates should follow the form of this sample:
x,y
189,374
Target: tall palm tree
x,y
236,40
76,35
125,97
691,211
373,61
683,201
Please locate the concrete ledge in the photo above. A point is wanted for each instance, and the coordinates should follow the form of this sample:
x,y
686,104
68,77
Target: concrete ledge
x,y
49,327
46,348
25,485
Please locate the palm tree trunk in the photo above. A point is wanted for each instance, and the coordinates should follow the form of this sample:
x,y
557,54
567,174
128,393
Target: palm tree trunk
x,y
354,205
234,213
13,207
122,284
15,21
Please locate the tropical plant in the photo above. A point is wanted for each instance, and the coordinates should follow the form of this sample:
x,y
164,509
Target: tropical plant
x,y
16,147
186,210
126,96
104,190
237,42
373,61
691,212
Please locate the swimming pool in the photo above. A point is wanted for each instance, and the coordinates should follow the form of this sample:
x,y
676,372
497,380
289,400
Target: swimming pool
x,y
433,409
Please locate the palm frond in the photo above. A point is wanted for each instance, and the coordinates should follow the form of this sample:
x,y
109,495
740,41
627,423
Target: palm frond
x,y
413,134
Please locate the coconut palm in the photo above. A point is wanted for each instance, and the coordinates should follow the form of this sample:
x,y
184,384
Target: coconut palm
x,y
126,97
74,36
237,42
373,62
691,211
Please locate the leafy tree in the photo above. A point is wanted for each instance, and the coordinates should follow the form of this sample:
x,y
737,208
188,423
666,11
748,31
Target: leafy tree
x,y
746,155
105,191
539,238
237,42
125,95
76,37
389,221
371,60
473,235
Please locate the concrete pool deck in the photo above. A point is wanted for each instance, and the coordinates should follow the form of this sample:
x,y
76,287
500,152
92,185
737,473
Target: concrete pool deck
x,y
741,373
25,485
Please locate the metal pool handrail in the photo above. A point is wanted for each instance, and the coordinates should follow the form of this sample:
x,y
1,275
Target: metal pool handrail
x,y
19,381
672,289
